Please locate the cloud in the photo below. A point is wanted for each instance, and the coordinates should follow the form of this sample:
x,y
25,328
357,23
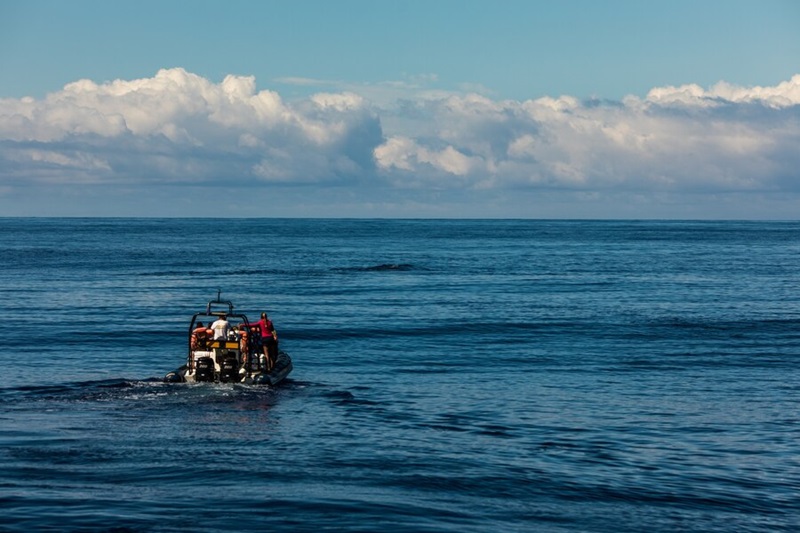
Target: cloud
x,y
683,138
406,155
182,129
785,94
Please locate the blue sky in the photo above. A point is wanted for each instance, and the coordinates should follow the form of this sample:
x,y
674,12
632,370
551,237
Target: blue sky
x,y
529,109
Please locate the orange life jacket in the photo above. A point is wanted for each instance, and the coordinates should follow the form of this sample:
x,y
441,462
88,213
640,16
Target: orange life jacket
x,y
199,337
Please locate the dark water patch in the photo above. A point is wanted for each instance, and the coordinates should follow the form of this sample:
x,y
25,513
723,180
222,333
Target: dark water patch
x,y
479,333
340,396
424,369
399,267
229,272
346,398
382,267
495,430
174,273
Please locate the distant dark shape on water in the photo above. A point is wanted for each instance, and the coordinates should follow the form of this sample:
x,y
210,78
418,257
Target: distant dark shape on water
x,y
402,267
383,267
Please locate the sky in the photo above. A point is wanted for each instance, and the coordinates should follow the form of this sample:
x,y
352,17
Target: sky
x,y
401,109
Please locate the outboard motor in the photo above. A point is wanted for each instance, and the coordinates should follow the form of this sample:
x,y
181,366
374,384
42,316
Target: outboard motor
x,y
228,370
204,371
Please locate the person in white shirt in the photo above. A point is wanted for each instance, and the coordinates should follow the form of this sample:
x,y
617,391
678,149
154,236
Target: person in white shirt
x,y
221,328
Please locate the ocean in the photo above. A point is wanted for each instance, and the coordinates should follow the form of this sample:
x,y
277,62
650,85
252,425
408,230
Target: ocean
x,y
449,376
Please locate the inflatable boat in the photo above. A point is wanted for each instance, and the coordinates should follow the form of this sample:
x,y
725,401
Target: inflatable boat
x,y
239,356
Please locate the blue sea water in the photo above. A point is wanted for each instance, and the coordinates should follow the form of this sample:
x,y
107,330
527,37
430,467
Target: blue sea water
x,y
450,376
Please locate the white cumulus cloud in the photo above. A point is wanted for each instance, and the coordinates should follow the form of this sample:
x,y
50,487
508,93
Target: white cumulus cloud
x,y
207,130
677,138
181,128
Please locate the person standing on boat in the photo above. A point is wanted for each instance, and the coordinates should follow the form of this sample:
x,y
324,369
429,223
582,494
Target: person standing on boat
x,y
269,339
221,328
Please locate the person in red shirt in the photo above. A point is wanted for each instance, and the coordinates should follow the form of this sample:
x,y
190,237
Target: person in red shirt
x,y
269,339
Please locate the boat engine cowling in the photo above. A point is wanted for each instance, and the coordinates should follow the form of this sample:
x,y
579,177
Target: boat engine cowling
x,y
228,370
204,369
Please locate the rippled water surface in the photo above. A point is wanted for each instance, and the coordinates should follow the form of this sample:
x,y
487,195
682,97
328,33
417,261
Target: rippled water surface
x,y
449,376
